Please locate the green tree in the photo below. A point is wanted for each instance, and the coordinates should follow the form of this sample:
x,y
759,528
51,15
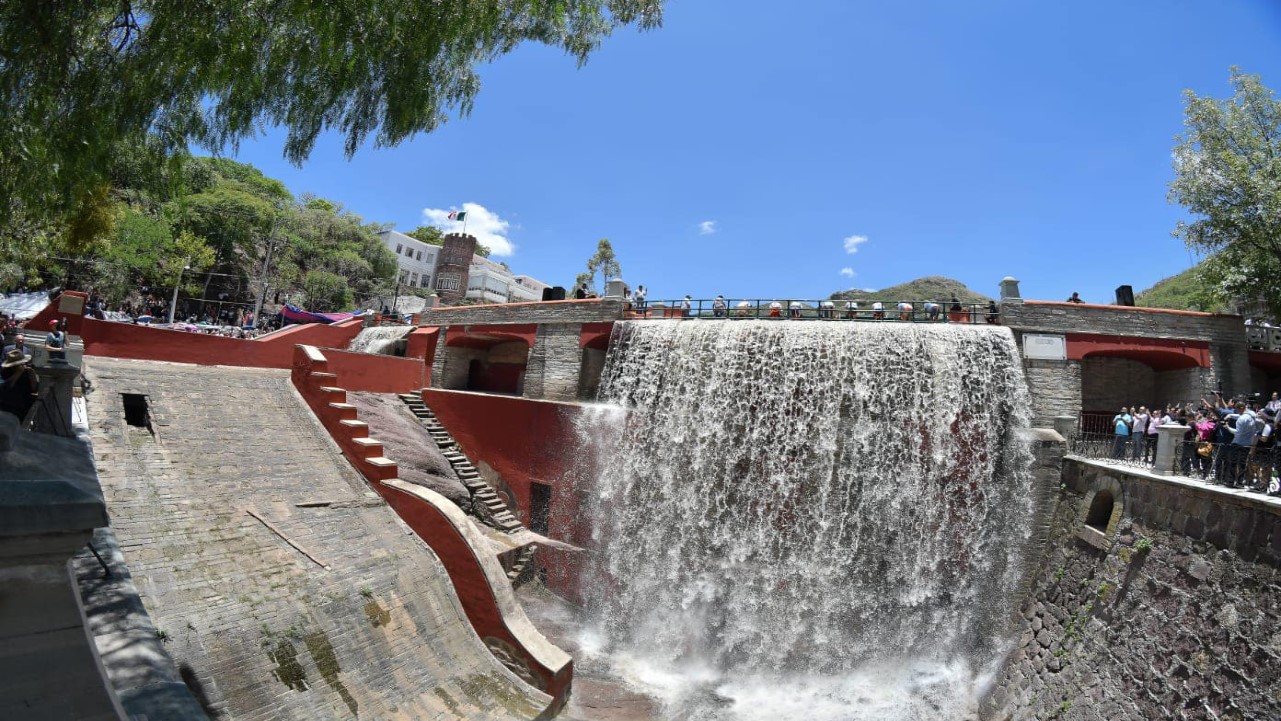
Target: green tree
x,y
1228,172
604,262
78,78
429,234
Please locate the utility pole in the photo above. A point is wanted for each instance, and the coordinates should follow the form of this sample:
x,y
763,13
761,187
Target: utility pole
x,y
173,305
266,266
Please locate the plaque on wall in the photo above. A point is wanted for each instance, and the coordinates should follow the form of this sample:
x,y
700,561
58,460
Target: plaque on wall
x,y
1043,346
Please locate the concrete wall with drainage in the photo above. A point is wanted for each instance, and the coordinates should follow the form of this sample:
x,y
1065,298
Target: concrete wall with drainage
x,y
1165,605
283,585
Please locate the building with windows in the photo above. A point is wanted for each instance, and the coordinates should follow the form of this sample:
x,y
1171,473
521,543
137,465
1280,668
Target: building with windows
x,y
455,272
417,260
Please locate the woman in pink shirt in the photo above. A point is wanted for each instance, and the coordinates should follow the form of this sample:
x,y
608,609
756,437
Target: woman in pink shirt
x,y
1204,427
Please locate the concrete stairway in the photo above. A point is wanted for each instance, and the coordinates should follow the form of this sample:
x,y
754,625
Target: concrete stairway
x,y
488,504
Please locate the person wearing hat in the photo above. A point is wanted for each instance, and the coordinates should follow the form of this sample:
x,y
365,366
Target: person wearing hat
x,y
55,344
19,386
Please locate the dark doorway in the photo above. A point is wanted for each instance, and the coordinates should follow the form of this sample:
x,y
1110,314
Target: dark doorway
x,y
1100,511
136,413
540,507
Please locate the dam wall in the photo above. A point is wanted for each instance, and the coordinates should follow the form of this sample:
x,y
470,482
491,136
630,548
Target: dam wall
x,y
1156,599
283,586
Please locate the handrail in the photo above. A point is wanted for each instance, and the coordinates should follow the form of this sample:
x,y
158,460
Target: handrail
x,y
917,311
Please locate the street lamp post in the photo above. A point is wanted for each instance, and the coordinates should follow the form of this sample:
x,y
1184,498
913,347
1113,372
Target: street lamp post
x,y
173,305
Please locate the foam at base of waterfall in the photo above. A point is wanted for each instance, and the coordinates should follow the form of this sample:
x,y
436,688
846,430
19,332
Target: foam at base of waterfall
x,y
831,518
899,689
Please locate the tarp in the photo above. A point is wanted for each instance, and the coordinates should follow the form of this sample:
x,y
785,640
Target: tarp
x,y
23,306
294,314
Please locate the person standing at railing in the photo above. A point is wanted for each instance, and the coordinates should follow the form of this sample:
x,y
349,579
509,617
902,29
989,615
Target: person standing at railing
x,y
687,304
851,309
795,308
826,309
719,306
638,298
1261,458
1140,427
1204,427
1157,419
932,310
904,310
1243,425
1122,422
878,310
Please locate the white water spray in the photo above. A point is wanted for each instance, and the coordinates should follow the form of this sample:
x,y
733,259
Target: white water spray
x,y
809,520
379,339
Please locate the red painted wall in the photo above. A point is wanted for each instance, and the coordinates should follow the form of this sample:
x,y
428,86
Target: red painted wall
x,y
357,371
526,441
458,556
422,345
1160,353
40,321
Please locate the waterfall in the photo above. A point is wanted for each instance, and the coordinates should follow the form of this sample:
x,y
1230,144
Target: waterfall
x,y
808,520
379,339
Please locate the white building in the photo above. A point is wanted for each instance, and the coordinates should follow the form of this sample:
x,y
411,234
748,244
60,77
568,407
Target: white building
x,y
488,281
417,259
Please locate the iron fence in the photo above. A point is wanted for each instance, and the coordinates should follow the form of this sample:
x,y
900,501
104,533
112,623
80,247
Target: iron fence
x,y
808,309
1249,467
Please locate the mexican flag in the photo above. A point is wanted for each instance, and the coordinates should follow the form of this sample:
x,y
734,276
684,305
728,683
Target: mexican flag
x,y
457,215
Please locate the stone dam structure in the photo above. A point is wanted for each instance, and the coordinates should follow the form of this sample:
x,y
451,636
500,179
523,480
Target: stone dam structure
x,y
748,519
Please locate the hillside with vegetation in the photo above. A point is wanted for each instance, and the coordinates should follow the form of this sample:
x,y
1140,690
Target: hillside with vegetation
x,y
933,287
219,225
1189,290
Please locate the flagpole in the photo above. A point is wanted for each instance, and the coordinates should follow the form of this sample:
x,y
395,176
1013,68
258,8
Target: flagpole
x,y
464,222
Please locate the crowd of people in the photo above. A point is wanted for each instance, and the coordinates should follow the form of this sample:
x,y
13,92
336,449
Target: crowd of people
x,y
826,309
1229,443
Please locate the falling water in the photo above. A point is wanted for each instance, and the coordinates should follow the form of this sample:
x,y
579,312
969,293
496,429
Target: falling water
x,y
820,521
379,339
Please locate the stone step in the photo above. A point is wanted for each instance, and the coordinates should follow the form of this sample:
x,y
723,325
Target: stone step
x,y
321,376
373,448
408,397
344,410
359,429
476,484
493,503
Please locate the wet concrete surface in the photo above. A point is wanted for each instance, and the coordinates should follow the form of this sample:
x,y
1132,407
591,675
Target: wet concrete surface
x,y
598,695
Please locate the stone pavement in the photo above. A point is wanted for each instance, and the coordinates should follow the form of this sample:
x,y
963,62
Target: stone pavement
x,y
280,584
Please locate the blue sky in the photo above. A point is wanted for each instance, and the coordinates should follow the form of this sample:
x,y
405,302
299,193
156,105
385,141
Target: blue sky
x,y
968,139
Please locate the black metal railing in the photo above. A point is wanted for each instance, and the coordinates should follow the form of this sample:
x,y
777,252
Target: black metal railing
x,y
1225,464
808,309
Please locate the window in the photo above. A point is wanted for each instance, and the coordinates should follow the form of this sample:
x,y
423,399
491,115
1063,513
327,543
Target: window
x,y
426,282
420,256
404,276
409,252
413,279
448,281
399,247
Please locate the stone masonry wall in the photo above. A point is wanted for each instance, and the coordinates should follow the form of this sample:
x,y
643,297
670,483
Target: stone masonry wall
x,y
1109,383
284,586
1055,387
1117,320
1172,612
560,362
567,311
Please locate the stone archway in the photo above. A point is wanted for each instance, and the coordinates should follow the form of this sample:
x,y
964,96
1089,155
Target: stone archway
x,y
1101,511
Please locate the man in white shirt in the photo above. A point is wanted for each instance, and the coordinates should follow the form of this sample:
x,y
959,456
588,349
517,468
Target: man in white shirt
x,y
878,310
1140,427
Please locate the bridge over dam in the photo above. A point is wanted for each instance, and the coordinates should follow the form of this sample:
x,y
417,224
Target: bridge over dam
x,y
289,570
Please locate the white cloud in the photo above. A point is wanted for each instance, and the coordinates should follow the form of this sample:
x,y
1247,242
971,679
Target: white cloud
x,y
707,227
489,229
853,242
847,272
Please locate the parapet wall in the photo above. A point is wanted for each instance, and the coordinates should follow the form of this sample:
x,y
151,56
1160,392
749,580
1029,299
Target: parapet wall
x,y
552,311
1167,609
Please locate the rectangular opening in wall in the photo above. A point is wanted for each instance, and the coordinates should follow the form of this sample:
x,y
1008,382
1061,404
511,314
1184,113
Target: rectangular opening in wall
x,y
540,507
136,410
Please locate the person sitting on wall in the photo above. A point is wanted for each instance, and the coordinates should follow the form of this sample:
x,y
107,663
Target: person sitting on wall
x,y
993,313
55,343
827,309
932,310
878,310
905,310
851,309
19,385
1076,298
956,312
580,292
718,306
743,309
775,309
687,305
